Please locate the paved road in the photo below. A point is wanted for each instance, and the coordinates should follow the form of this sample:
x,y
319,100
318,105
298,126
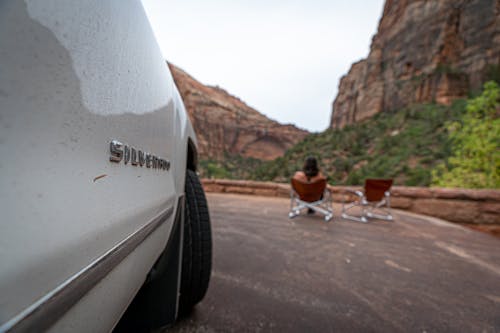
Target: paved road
x,y
272,274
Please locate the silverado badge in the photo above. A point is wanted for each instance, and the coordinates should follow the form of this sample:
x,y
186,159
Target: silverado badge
x,y
119,151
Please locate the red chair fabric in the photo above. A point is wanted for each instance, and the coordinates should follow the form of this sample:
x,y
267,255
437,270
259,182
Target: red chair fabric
x,y
375,188
309,192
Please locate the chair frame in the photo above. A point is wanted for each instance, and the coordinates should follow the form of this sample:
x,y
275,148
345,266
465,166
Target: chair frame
x,y
379,208
322,206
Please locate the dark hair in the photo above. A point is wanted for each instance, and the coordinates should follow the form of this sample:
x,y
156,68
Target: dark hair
x,y
310,167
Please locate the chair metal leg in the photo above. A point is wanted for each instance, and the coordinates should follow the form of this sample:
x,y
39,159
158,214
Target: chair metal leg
x,y
323,206
384,207
345,209
387,217
354,218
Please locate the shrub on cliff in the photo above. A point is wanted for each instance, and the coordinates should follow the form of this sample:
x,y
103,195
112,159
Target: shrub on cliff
x,y
403,144
475,159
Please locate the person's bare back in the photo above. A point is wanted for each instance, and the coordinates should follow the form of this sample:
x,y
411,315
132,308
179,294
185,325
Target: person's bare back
x,y
301,176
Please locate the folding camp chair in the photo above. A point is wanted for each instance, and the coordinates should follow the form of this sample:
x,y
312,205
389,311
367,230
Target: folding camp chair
x,y
313,196
374,201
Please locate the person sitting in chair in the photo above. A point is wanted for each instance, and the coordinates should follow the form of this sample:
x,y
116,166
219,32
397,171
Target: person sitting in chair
x,y
310,173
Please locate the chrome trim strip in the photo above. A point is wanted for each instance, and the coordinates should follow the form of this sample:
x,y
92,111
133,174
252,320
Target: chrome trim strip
x,y
48,309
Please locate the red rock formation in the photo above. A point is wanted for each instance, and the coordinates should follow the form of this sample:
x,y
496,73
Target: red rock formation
x,y
225,124
424,51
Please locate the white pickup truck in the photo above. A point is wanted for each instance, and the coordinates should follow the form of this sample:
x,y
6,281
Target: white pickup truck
x,y
102,213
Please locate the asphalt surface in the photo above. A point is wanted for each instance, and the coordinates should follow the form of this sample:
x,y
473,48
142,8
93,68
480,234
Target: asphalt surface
x,y
273,274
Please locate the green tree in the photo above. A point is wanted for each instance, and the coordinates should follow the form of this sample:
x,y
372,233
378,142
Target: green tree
x,y
475,159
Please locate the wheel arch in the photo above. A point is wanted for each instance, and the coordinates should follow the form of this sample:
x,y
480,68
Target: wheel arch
x,y
192,155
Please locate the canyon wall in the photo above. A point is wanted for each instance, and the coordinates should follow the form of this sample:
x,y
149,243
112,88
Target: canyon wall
x,y
225,124
424,51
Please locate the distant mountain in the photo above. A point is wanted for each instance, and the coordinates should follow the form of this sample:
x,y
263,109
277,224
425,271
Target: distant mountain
x,y
424,51
225,125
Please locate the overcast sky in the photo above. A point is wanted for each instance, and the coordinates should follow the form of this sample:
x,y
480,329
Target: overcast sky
x,y
282,57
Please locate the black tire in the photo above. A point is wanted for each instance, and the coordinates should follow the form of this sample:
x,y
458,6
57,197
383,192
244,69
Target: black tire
x,y
197,246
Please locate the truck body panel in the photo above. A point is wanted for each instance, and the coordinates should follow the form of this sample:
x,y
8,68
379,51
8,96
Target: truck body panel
x,y
75,75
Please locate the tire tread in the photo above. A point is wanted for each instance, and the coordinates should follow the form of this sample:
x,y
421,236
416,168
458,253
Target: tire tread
x,y
197,247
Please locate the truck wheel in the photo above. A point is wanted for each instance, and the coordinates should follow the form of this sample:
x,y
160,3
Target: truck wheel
x,y
197,246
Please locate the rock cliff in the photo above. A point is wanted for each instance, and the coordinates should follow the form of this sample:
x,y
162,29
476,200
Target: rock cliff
x,y
225,124
424,51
